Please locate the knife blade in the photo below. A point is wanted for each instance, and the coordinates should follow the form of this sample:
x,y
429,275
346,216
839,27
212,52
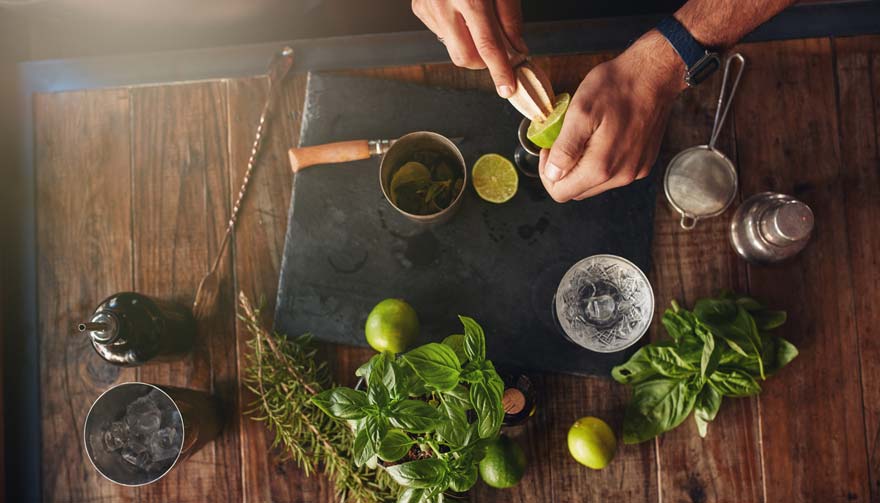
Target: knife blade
x,y
342,151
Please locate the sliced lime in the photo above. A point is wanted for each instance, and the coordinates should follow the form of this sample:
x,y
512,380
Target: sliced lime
x,y
495,179
544,133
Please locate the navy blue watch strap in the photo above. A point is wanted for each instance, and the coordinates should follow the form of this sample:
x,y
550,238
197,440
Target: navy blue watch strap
x,y
700,62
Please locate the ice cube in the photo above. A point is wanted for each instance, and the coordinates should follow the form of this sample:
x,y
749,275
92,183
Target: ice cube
x,y
164,443
115,436
137,454
143,416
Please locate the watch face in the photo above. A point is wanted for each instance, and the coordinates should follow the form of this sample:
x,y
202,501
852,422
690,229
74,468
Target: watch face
x,y
707,65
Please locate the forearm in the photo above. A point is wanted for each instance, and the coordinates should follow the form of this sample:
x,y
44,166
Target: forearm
x,y
722,23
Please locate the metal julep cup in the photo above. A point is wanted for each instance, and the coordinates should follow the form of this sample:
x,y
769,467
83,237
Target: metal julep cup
x,y
135,433
402,151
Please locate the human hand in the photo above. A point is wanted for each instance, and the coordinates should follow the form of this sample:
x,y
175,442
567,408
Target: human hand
x,y
615,122
477,34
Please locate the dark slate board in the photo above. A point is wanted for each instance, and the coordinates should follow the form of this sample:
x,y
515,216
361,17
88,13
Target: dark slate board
x,y
346,247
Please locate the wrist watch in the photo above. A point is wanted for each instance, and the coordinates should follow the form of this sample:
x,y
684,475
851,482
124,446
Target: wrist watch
x,y
700,61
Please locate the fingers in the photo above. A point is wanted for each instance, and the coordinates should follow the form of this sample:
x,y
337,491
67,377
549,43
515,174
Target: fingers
x,y
489,41
569,146
459,43
510,15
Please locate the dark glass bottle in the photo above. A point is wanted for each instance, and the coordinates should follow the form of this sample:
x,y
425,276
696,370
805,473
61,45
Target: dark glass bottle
x,y
519,398
130,329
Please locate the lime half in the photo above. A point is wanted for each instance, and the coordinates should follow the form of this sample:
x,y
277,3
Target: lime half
x,y
544,133
495,178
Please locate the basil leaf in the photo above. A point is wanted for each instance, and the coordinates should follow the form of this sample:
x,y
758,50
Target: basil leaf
x,y
706,408
785,353
395,445
376,429
637,369
740,333
487,404
453,427
456,343
436,365
734,382
459,396
342,403
363,450
657,406
749,304
378,395
667,362
715,311
710,356
411,495
414,416
474,339
768,320
420,474
679,324
463,477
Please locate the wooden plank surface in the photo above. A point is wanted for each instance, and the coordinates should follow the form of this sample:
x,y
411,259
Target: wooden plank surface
x,y
84,239
858,78
812,428
180,187
687,266
133,190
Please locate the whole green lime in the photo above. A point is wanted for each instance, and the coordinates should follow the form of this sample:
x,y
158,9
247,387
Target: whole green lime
x,y
591,442
504,464
392,326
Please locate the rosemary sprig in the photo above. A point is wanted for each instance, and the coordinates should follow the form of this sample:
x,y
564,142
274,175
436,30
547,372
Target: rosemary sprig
x,y
284,375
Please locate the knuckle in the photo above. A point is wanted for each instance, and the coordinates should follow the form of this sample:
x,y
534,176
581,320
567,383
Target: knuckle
x,y
628,177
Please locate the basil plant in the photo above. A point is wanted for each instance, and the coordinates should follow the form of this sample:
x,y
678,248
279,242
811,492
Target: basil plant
x,y
425,416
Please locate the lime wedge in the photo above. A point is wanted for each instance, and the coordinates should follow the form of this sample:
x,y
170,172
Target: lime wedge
x,y
495,179
544,133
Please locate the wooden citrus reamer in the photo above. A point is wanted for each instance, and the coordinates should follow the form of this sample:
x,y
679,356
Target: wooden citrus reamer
x,y
534,95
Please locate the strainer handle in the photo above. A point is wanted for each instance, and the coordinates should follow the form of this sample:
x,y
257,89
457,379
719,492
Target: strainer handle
x,y
719,115
688,222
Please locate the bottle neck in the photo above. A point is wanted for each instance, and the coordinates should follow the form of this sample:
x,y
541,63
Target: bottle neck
x,y
102,328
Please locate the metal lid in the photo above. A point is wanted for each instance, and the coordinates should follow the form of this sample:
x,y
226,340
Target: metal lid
x,y
791,222
700,182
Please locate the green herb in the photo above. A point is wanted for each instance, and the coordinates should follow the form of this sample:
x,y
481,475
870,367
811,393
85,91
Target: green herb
x,y
427,415
285,377
722,348
425,185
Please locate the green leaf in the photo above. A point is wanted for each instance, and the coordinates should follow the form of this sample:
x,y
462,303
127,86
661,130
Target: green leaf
x,y
363,450
474,339
657,406
411,495
487,404
679,324
637,369
459,395
453,427
420,474
734,382
395,445
378,394
667,362
706,408
739,332
414,416
456,343
710,356
768,320
436,365
463,477
715,311
376,429
749,304
342,403
785,353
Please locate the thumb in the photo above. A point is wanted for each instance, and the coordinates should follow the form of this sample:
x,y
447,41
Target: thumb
x,y
568,148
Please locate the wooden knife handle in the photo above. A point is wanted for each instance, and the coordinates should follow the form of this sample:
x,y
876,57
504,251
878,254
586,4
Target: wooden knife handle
x,y
329,153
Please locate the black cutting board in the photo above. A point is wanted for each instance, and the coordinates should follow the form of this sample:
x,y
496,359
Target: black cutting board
x,y
346,248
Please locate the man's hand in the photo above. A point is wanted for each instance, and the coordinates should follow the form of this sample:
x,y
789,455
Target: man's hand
x,y
476,34
615,123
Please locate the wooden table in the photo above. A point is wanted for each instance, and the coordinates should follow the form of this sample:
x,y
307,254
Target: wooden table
x,y
133,185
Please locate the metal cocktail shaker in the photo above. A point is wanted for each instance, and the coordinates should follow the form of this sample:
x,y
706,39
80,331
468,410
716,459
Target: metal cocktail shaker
x,y
770,227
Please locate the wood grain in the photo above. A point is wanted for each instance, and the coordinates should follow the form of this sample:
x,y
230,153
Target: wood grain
x,y
858,77
812,427
83,199
687,266
180,203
